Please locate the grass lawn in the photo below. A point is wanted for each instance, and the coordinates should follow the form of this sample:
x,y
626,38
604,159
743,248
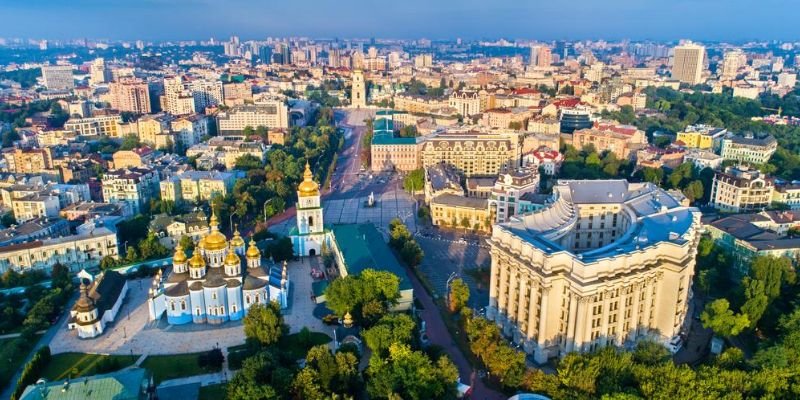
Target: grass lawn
x,y
14,352
298,344
174,366
74,365
213,392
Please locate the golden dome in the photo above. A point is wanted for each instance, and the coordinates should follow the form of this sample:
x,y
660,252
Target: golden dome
x,y
308,187
237,240
180,256
215,240
197,261
252,251
231,258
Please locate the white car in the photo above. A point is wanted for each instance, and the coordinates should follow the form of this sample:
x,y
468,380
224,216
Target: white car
x,y
675,344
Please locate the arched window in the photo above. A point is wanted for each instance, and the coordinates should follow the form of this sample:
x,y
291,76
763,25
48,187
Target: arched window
x,y
233,308
172,306
257,299
247,299
213,296
310,220
198,311
183,305
222,311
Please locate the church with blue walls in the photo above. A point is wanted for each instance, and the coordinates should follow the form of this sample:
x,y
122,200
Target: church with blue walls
x,y
218,283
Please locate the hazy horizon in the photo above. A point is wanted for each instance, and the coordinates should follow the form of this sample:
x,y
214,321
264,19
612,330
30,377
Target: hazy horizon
x,y
709,20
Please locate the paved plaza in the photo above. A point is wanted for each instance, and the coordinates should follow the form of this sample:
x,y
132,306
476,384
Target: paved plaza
x,y
443,257
133,333
393,203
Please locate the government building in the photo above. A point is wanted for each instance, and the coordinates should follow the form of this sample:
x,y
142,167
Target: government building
x,y
606,263
218,283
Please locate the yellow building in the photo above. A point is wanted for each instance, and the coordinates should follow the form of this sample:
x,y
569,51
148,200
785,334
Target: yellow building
x,y
701,137
461,212
608,263
471,153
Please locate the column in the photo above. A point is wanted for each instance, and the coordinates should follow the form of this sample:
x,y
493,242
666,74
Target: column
x,y
648,300
502,304
522,305
533,299
581,330
605,315
493,289
635,313
541,343
573,299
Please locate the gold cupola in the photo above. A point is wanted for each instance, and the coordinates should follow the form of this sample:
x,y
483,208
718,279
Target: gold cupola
x,y
179,257
237,241
308,187
231,258
197,261
215,240
253,251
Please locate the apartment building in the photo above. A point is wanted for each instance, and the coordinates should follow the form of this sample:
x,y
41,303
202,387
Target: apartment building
x,y
739,189
133,187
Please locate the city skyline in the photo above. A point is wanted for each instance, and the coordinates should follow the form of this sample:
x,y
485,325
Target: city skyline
x,y
584,19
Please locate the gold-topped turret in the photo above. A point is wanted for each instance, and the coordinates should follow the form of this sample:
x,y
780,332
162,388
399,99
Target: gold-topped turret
x,y
253,251
197,261
237,240
179,257
231,258
215,240
308,187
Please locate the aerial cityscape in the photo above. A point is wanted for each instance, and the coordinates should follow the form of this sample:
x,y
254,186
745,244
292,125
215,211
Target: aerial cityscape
x,y
336,200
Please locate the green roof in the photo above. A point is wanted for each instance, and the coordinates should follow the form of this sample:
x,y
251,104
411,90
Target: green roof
x,y
390,139
362,247
121,385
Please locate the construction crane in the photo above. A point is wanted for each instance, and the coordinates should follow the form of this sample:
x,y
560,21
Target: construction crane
x,y
779,110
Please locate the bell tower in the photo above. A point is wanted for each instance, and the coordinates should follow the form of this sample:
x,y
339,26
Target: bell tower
x,y
309,207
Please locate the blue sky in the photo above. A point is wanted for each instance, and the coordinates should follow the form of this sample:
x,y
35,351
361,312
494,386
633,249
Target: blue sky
x,y
555,19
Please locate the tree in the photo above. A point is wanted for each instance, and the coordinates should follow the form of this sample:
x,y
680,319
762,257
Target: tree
x,y
414,181
369,293
756,300
411,253
327,373
187,243
774,272
264,323
718,317
459,294
391,328
247,162
130,142
108,262
409,374
8,219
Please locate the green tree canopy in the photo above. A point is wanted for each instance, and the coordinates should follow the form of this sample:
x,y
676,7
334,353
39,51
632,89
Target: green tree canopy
x,y
264,323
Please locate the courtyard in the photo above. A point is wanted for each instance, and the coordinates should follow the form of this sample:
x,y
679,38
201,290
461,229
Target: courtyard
x,y
132,333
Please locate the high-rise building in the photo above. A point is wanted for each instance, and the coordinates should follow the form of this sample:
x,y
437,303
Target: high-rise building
x,y
206,93
265,54
130,95
732,61
358,96
98,73
541,56
607,263
58,77
687,63
334,58
177,100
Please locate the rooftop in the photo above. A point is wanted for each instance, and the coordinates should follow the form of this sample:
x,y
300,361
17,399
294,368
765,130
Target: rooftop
x,y
362,247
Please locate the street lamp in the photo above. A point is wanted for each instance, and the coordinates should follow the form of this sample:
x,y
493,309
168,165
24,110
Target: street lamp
x,y
450,280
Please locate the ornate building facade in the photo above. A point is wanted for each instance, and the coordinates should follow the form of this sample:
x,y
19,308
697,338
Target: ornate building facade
x,y
607,263
219,282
